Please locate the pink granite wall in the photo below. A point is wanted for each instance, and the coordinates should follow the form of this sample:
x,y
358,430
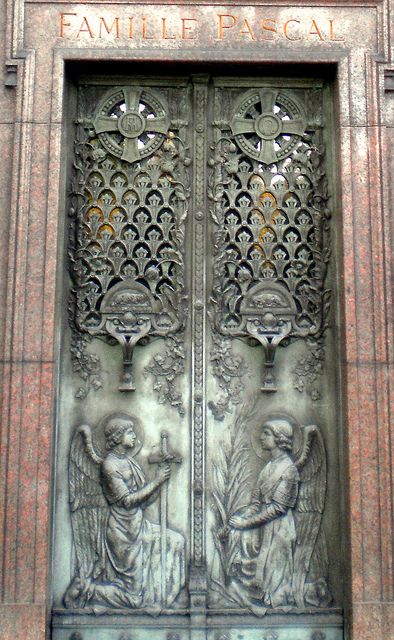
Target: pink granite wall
x,y
30,130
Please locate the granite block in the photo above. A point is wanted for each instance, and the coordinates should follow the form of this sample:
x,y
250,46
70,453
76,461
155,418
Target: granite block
x,y
363,233
347,233
6,137
35,323
18,234
373,620
25,484
9,471
55,224
353,480
388,620
23,622
367,620
45,431
369,478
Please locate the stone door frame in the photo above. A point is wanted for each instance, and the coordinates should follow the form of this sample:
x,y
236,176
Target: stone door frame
x,y
365,128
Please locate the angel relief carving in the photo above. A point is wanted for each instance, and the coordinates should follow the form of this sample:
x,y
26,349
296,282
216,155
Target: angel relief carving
x,y
122,560
269,538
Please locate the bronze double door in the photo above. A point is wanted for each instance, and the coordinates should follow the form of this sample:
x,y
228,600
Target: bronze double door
x,y
197,463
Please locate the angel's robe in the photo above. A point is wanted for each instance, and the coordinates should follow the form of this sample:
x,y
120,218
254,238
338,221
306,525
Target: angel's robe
x,y
267,551
133,544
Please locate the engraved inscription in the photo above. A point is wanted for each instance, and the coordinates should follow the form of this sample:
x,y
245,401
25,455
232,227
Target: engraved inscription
x,y
223,27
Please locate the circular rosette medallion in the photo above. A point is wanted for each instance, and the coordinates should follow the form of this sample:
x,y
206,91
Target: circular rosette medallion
x,y
131,123
268,124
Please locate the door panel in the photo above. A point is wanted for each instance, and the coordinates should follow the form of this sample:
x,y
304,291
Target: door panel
x,y
198,466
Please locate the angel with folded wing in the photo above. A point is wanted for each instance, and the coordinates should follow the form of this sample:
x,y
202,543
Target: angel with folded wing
x,y
118,555
282,559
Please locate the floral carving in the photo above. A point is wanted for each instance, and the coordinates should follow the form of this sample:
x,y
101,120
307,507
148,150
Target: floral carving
x,y
230,494
228,369
85,364
166,368
309,368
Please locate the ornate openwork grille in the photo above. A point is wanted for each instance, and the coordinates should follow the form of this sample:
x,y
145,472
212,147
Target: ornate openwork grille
x,y
129,205
270,204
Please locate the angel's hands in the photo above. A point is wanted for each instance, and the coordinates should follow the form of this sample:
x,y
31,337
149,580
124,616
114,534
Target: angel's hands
x,y
163,473
238,522
223,533
84,429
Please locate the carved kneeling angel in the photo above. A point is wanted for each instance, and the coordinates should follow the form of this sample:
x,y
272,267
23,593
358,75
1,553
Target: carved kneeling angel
x,y
118,550
281,559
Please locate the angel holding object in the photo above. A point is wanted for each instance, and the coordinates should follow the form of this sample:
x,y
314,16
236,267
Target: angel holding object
x,y
281,559
118,551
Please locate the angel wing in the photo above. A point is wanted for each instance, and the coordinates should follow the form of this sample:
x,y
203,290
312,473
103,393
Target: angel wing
x,y
310,557
89,508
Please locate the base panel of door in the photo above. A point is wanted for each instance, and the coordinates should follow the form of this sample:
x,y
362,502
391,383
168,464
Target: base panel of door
x,y
220,625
